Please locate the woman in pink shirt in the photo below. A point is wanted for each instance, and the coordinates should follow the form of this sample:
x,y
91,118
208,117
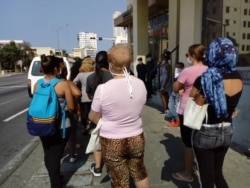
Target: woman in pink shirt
x,y
195,57
119,103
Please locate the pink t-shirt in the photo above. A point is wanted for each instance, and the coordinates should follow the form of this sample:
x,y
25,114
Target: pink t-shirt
x,y
121,114
187,78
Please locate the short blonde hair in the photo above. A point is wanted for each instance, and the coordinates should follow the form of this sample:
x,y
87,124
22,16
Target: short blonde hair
x,y
120,55
88,60
87,65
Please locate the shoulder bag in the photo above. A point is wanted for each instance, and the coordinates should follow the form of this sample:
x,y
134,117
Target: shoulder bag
x,y
195,111
94,141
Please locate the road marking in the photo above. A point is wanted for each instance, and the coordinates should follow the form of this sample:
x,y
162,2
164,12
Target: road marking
x,y
7,102
11,86
12,117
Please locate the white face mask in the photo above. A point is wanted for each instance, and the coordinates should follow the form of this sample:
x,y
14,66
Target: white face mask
x,y
177,72
189,61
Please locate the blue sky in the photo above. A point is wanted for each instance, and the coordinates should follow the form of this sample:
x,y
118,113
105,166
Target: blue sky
x,y
37,21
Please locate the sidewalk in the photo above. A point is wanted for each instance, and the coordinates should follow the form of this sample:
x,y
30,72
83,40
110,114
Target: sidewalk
x,y
163,156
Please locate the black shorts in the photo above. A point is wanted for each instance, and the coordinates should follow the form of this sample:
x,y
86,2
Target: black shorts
x,y
186,133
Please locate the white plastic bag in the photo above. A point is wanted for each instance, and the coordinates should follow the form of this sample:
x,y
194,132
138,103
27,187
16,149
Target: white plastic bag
x,y
94,141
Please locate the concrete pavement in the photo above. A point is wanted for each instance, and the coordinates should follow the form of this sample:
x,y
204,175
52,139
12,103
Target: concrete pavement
x,y
163,156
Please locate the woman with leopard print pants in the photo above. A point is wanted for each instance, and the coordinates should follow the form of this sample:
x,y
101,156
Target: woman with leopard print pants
x,y
119,103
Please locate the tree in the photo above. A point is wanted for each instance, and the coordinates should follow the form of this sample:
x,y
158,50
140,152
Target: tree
x,y
9,54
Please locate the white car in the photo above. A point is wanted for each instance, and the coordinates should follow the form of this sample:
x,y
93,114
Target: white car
x,y
34,72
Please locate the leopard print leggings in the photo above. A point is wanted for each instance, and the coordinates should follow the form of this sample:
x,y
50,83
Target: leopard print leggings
x,y
124,157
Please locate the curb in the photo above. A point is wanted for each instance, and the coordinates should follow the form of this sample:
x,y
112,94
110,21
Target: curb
x,y
14,163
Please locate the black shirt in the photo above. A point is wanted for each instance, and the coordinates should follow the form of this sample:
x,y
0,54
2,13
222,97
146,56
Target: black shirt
x,y
232,101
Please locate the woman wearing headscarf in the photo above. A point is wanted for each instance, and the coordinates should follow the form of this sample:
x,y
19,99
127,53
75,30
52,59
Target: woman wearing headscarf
x,y
221,86
119,102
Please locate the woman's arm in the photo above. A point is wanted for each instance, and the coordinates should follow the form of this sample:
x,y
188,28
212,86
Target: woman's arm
x,y
68,96
74,89
177,86
94,116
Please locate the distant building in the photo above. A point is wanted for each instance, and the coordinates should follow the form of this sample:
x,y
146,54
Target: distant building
x,y
87,43
230,19
17,42
119,33
87,40
83,52
43,50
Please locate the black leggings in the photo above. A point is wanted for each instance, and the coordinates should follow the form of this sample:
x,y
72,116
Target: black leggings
x,y
53,147
210,162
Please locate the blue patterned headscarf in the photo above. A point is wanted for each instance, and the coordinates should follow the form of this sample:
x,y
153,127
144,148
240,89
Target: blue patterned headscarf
x,y
221,58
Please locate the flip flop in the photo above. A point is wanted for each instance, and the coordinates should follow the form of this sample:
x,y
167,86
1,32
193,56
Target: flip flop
x,y
178,176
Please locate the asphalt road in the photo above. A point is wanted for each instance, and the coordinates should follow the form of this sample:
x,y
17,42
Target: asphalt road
x,y
14,101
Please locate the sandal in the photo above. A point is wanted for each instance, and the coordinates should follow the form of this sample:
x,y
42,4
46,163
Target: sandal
x,y
180,177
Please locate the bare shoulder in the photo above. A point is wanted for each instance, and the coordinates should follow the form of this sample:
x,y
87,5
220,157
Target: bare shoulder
x,y
61,87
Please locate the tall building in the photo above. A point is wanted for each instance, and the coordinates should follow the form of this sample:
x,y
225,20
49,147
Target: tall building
x,y
87,44
86,40
227,18
119,33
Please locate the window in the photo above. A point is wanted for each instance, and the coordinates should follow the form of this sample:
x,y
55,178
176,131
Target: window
x,y
243,48
245,11
227,9
248,36
244,23
248,48
243,35
214,10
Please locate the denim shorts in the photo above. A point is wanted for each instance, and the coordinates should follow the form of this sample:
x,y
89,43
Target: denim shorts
x,y
213,137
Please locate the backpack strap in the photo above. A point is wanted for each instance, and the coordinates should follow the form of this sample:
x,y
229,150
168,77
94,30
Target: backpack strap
x,y
54,81
63,119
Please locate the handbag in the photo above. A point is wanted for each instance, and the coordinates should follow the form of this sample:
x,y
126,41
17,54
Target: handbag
x,y
94,141
195,112
212,136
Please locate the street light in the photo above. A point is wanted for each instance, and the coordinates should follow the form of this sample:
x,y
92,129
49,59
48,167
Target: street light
x,y
57,35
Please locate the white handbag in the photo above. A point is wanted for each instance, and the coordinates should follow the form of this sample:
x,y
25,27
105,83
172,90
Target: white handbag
x,y
94,141
194,114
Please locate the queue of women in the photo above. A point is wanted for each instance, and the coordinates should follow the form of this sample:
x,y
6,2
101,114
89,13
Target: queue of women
x,y
212,71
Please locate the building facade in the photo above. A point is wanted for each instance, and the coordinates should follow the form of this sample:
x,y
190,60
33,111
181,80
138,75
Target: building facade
x,y
191,22
86,40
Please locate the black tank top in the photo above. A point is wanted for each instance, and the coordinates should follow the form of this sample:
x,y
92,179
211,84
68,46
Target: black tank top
x,y
232,101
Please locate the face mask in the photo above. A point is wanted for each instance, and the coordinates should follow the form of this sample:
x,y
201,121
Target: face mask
x,y
149,59
113,74
177,72
189,61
